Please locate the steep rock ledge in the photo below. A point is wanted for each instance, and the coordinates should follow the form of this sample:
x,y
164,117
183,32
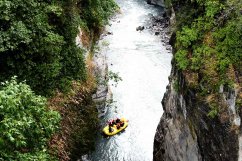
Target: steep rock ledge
x,y
186,133
174,139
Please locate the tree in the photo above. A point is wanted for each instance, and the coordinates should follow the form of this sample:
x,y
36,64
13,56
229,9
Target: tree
x,y
37,44
25,122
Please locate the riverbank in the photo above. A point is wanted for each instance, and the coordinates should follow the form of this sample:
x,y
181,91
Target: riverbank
x,y
78,107
79,119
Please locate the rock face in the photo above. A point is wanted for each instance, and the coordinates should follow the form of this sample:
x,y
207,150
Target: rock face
x,y
186,133
174,139
156,2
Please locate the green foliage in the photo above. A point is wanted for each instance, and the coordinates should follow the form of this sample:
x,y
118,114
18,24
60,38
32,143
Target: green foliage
x,y
38,44
114,76
213,113
29,47
199,54
182,59
186,37
212,7
37,155
38,40
229,47
97,12
213,32
208,43
25,123
105,43
176,85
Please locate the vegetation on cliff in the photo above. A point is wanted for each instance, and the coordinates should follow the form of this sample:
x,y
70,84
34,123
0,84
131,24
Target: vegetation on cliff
x,y
208,46
26,123
37,40
201,119
38,45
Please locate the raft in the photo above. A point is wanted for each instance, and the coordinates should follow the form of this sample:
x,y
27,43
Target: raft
x,y
114,127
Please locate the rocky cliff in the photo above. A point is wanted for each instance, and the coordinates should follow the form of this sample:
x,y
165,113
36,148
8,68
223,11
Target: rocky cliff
x,y
187,131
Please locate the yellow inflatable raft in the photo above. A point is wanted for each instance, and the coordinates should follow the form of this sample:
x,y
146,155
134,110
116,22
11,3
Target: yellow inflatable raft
x,y
114,127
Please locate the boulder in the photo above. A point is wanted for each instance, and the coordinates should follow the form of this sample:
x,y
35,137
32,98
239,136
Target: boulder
x,y
156,2
140,28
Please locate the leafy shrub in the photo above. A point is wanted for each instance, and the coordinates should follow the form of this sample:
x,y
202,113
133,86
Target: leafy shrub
x,y
25,123
186,36
182,59
97,12
213,113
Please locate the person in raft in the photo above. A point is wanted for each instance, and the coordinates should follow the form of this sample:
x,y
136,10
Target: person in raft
x,y
116,122
110,129
110,125
119,123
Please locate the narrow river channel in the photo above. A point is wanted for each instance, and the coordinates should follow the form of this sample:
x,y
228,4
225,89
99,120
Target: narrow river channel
x,y
144,64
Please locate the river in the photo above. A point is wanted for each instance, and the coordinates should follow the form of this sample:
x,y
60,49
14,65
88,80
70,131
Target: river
x,y
143,62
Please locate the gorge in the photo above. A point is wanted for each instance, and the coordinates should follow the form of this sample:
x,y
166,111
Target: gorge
x,y
173,68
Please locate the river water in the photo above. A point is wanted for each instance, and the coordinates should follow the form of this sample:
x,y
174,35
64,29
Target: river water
x,y
144,64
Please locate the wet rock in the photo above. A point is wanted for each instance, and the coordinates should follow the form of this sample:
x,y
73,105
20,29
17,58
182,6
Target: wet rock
x,y
167,48
150,15
156,2
172,39
159,20
148,1
164,15
166,25
84,158
140,28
